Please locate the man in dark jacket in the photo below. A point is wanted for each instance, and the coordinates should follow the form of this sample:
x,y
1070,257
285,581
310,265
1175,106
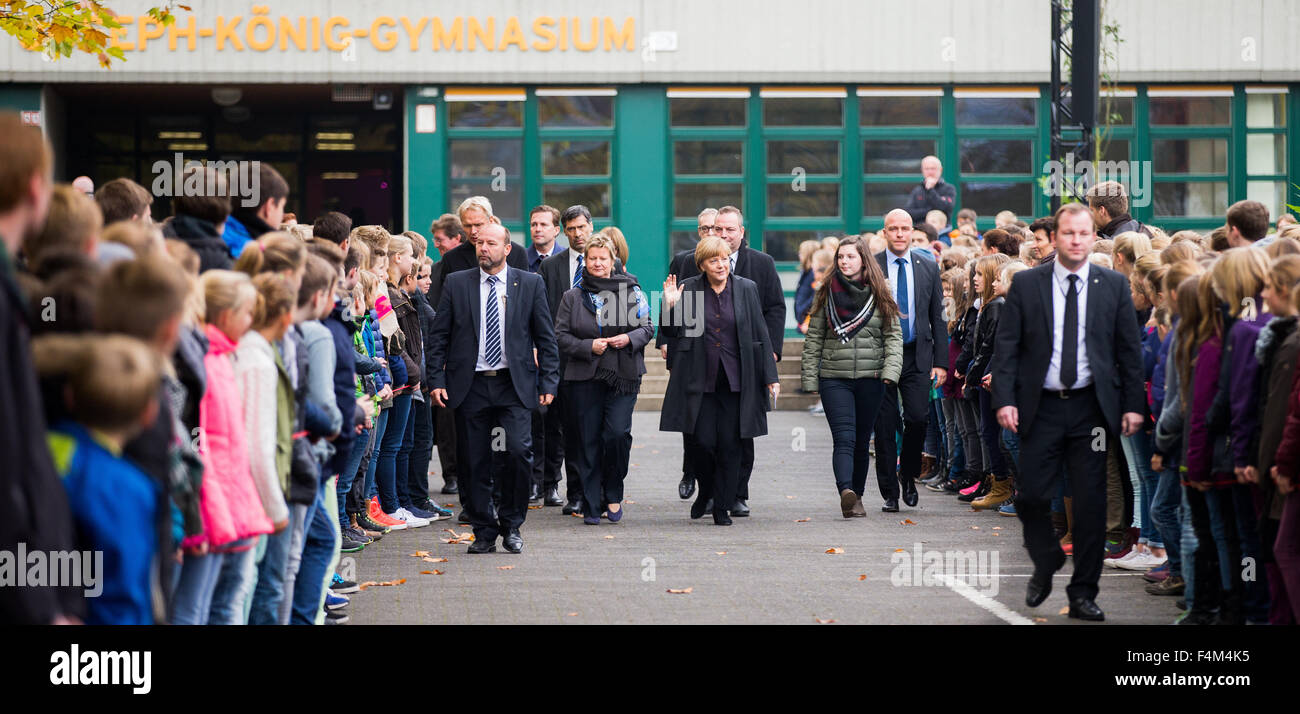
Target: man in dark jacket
x,y
247,223
475,213
1108,201
761,269
933,194
200,220
34,512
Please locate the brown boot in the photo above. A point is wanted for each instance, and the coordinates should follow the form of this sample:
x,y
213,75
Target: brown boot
x,y
998,494
928,464
848,501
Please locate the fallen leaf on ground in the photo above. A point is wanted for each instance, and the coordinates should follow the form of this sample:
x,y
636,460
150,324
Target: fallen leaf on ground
x,y
576,515
629,501
573,614
997,534
1064,610
834,551
430,572
420,554
898,550
534,508
609,537
974,528
386,583
907,522
435,560
505,567
721,552
823,622
1040,619
791,497
685,591
997,528
802,520
862,577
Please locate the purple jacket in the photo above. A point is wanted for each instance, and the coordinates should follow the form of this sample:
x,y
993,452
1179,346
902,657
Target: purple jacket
x,y
1243,382
1199,463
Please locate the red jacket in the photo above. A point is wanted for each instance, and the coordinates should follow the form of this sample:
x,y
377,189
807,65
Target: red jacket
x,y
1287,459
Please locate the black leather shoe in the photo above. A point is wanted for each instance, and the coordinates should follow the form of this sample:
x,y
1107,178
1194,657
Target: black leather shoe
x,y
463,518
513,543
482,546
573,506
700,507
686,488
553,497
534,493
1085,609
1040,584
720,518
909,493
740,509
450,487
891,505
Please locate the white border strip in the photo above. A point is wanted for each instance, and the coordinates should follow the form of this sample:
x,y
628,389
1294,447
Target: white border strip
x,y
995,93
806,93
1266,90
684,93
899,92
576,92
488,97
1189,92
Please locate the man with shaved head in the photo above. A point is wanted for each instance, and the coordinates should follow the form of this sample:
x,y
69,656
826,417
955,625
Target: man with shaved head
x,y
933,194
919,294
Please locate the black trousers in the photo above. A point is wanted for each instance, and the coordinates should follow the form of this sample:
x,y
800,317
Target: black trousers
x,y
444,430
421,427
718,456
1065,431
541,447
604,435
559,438
913,391
495,444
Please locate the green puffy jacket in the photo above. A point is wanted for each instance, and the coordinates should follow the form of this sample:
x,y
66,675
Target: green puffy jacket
x,y
869,354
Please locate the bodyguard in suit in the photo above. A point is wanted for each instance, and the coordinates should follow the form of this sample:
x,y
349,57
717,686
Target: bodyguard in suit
x,y
919,293
758,267
1067,378
475,214
488,324
544,227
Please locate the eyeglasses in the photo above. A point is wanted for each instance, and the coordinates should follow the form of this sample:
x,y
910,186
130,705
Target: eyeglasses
x,y
708,229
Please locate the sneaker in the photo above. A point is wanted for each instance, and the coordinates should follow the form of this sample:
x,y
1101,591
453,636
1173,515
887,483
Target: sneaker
x,y
430,505
370,527
378,516
335,617
343,587
349,544
1142,561
358,534
412,520
1115,549
1173,585
334,601
1113,560
817,409
429,516
1007,509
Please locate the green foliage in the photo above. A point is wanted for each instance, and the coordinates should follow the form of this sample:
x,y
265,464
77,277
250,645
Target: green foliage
x,y
57,28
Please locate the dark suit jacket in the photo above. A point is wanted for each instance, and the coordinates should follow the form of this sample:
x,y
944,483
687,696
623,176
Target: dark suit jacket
x,y
686,381
928,325
575,328
761,269
1024,345
465,257
528,326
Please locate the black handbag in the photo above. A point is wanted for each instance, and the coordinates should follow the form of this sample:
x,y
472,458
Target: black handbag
x,y
304,473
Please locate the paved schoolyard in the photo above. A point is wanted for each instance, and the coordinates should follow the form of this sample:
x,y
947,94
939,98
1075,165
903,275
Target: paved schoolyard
x,y
769,568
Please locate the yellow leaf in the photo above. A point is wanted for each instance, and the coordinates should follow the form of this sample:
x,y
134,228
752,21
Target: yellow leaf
x,y
974,528
802,520
834,551
505,567
420,554
721,552
686,591
862,577
430,572
898,550
573,614
609,537
435,560
1040,619
1064,610
906,522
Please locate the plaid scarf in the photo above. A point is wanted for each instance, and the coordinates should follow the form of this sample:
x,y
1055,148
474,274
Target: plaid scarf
x,y
850,307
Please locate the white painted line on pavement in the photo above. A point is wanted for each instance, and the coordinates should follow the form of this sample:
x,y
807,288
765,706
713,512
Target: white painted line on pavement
x,y
1001,611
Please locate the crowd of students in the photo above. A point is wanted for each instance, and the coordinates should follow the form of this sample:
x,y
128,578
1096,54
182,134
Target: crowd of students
x,y
1198,499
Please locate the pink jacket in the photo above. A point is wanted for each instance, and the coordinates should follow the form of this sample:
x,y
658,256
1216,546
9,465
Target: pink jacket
x,y
229,500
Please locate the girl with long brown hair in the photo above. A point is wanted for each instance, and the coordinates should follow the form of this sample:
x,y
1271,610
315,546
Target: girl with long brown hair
x,y
853,348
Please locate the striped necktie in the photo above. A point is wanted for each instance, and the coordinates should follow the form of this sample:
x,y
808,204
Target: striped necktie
x,y
492,340
577,274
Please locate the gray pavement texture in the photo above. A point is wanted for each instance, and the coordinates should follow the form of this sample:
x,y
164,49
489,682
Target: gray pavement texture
x,y
766,569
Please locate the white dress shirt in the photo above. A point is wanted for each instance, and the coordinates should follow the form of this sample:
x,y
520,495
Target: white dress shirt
x,y
483,289
1060,288
891,263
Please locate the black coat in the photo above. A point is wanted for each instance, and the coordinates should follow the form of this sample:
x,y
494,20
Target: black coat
x,y
1024,345
922,200
576,328
555,273
686,381
758,267
928,325
528,326
465,257
421,302
202,237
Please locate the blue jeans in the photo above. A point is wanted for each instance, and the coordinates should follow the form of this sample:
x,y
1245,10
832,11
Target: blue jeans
x,y
193,596
851,408
1187,544
1137,451
269,592
991,431
1011,440
1164,513
934,437
298,517
234,583
406,491
381,428
349,473
390,446
421,421
319,545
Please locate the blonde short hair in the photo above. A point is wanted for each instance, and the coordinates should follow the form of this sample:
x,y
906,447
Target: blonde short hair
x,y
710,248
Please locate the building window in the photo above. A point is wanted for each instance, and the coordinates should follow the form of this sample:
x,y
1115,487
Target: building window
x,y
1266,157
708,134
803,130
576,128
485,148
1190,129
998,160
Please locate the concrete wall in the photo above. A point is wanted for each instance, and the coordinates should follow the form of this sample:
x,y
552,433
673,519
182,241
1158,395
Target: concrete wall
x,y
723,41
